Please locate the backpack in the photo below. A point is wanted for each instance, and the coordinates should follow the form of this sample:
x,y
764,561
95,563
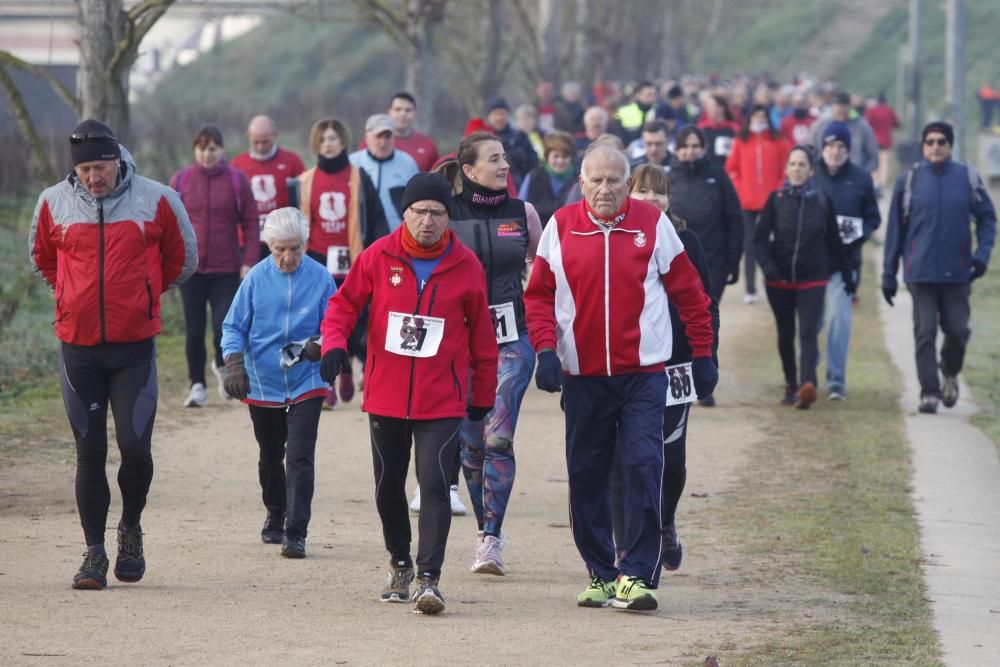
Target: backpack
x,y
234,177
975,183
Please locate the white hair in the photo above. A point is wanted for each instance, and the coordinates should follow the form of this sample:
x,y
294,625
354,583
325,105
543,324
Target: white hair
x,y
285,223
608,149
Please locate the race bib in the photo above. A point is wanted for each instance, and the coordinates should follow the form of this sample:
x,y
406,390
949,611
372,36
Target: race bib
x,y
338,260
413,335
723,145
850,229
680,388
504,322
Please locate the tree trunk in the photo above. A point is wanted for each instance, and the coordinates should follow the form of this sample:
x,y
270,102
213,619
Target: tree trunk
x,y
489,83
423,17
102,88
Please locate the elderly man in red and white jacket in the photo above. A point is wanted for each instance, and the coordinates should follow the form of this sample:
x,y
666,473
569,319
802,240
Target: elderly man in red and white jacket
x,y
597,312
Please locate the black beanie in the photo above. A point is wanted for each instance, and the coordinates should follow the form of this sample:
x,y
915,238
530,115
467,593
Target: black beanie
x,y
425,186
93,140
939,126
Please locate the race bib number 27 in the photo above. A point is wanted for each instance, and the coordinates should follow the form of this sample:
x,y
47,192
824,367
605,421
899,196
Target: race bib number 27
x,y
680,387
413,335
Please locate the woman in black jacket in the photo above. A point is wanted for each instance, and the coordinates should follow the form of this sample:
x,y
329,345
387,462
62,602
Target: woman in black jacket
x,y
798,248
650,183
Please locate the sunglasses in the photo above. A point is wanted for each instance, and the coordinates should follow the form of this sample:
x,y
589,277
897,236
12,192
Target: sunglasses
x,y
935,142
96,137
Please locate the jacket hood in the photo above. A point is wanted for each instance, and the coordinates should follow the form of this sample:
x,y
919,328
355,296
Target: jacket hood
x,y
126,171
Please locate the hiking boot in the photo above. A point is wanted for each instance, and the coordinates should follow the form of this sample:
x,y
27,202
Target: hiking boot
x,y
489,556
345,385
597,594
633,594
806,396
293,547
130,564
415,503
93,574
330,400
274,528
457,507
707,402
791,392
428,599
671,551
928,405
220,375
949,391
197,397
397,589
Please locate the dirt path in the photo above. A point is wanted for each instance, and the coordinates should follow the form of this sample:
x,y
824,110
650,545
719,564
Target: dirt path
x,y
213,594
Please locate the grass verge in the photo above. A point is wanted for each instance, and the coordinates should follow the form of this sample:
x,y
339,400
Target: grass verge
x,y
982,361
826,501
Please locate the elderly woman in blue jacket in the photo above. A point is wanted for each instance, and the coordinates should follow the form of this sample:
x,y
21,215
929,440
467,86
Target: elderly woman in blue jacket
x,y
270,344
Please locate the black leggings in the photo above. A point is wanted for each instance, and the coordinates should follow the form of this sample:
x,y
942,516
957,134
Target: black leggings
x,y
200,290
808,304
289,495
435,445
124,375
675,423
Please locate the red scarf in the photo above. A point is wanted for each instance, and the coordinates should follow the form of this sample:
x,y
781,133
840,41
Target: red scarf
x,y
615,219
417,251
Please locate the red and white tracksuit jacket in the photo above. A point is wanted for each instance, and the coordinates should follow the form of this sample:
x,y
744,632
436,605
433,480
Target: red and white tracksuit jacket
x,y
598,294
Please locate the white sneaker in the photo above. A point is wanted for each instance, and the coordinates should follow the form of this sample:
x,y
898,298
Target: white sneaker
x,y
750,299
457,508
220,375
197,397
489,556
415,503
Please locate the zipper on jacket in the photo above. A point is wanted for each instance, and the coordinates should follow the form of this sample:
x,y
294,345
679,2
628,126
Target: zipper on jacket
x,y
149,295
413,360
100,284
798,237
454,379
489,263
288,310
607,301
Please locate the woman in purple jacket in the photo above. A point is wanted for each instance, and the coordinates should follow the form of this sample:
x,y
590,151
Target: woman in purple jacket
x,y
223,213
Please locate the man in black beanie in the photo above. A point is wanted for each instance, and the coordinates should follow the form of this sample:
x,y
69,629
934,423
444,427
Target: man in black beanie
x,y
109,242
932,205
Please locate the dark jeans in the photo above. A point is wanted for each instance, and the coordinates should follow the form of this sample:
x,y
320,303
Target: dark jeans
x,y
808,305
124,375
286,481
946,304
749,254
201,290
435,446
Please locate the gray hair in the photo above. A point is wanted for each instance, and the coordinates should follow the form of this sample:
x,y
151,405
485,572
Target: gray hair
x,y
607,149
285,223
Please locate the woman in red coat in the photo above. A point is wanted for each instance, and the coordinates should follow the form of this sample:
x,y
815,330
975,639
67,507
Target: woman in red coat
x,y
756,166
429,326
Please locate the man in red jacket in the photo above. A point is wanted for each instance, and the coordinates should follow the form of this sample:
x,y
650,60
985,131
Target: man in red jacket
x,y
597,312
429,329
109,242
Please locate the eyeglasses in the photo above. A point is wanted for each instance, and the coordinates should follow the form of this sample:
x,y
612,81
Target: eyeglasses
x,y
437,214
96,137
935,142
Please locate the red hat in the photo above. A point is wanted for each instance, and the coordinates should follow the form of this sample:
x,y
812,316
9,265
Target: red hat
x,y
477,125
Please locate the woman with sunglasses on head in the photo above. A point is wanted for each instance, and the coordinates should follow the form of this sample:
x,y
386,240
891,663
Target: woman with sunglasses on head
x,y
798,246
503,233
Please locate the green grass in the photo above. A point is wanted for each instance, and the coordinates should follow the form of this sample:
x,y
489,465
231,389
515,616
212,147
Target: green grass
x,y
982,360
826,501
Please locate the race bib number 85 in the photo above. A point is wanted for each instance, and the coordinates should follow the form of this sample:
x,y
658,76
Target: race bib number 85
x,y
413,335
680,388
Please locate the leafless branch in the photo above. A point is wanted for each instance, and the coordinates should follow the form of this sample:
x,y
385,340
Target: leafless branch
x,y
23,118
7,58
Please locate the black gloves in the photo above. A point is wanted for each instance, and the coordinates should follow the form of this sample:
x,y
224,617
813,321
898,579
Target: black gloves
x,y
548,374
237,382
478,413
332,363
705,376
311,351
889,287
977,270
850,285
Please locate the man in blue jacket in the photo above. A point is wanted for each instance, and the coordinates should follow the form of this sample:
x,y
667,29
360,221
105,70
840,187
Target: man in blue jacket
x,y
929,228
853,194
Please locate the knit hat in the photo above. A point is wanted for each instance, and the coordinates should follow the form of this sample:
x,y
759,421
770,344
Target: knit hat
x,y
92,140
939,126
497,103
425,186
837,131
477,125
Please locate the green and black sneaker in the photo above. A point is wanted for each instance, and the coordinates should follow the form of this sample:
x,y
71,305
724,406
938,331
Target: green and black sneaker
x,y
598,594
634,594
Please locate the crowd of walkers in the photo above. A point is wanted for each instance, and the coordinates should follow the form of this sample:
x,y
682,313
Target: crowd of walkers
x,y
585,240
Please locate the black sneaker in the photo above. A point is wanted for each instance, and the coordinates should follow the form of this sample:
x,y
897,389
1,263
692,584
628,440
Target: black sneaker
x,y
671,551
428,599
93,574
397,589
293,547
949,391
928,405
130,564
274,528
791,395
707,402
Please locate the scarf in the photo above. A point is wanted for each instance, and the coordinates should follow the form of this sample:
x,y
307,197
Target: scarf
x,y
563,175
605,223
477,195
417,251
332,165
